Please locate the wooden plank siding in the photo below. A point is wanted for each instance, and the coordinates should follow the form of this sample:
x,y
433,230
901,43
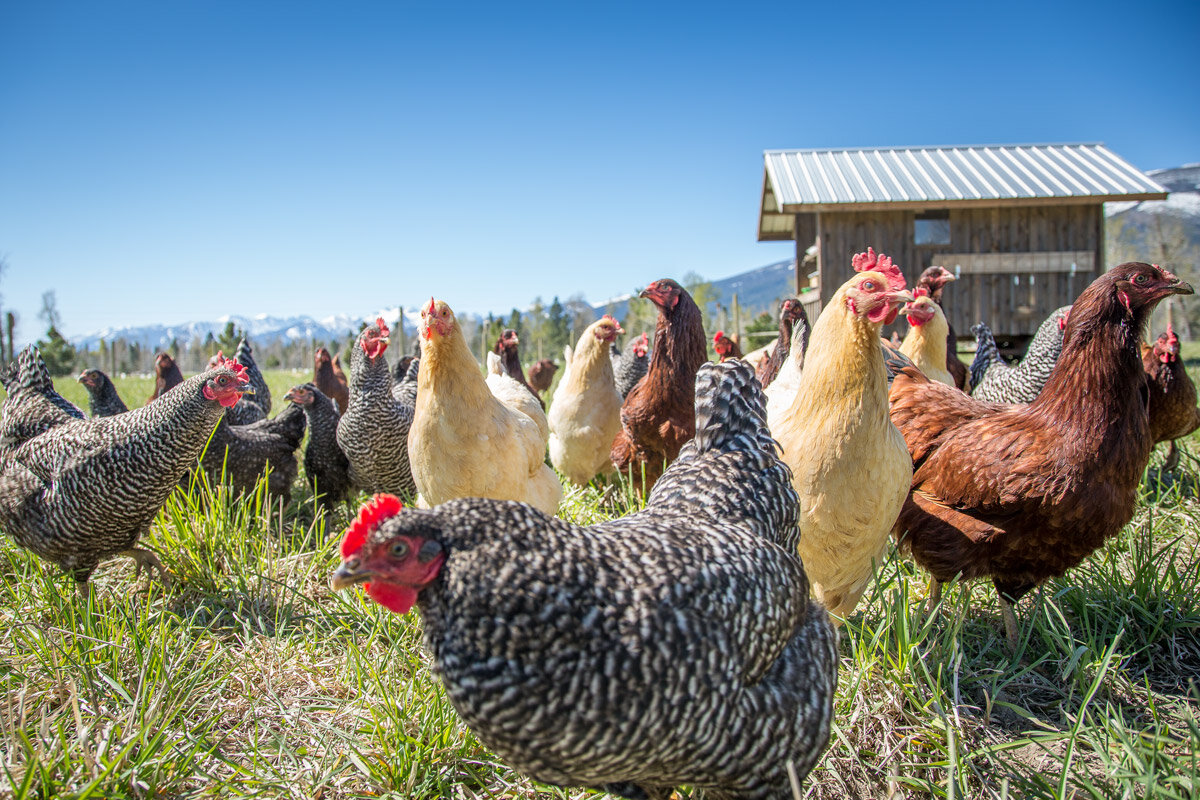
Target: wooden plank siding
x,y
1025,273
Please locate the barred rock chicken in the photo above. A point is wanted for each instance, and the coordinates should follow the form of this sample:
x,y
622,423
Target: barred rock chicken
x,y
103,400
986,353
325,464
933,281
405,390
400,368
726,347
541,375
677,645
839,442
659,414
239,454
1020,494
261,392
374,429
1021,384
925,342
32,405
86,490
327,380
465,442
507,347
586,413
791,316
1173,412
629,366
166,375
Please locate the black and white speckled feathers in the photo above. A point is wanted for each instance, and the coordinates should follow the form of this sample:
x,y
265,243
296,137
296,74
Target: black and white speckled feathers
x,y
325,464
373,430
674,646
85,490
1022,383
32,406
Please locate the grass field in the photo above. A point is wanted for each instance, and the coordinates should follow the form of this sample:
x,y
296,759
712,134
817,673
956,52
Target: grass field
x,y
249,677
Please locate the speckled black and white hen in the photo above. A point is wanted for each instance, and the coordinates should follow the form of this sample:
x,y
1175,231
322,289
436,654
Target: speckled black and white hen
x,y
405,389
1022,383
86,489
677,645
239,454
630,365
373,430
325,464
32,406
261,392
103,400
986,353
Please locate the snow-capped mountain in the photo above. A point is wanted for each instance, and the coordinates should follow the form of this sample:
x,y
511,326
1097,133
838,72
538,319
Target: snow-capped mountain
x,y
262,329
1182,206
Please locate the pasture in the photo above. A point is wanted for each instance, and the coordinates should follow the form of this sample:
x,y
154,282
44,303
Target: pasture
x,y
249,677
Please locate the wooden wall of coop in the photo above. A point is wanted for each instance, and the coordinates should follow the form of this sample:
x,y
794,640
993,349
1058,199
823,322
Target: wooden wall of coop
x,y
1022,226
1014,264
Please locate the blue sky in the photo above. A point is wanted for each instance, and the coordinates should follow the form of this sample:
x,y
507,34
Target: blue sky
x,y
175,161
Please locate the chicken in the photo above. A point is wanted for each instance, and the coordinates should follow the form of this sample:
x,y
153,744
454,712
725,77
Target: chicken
x,y
464,442
260,391
400,368
839,443
925,342
507,347
986,353
166,375
404,391
1173,412
726,347
239,454
517,397
1020,494
756,356
325,464
933,281
374,429
630,366
586,413
541,375
103,400
85,490
791,316
787,380
659,414
247,410
328,381
677,645
1022,383
31,406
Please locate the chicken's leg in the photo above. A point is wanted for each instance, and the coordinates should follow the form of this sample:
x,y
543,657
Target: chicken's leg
x,y
146,560
935,595
1010,621
1171,463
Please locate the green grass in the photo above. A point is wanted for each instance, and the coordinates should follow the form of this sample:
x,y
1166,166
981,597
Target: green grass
x,y
249,677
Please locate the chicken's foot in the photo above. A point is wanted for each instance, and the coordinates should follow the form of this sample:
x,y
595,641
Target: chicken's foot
x,y
145,560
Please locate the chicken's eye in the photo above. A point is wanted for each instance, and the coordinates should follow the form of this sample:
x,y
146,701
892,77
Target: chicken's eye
x,y
868,286
399,549
1141,278
222,380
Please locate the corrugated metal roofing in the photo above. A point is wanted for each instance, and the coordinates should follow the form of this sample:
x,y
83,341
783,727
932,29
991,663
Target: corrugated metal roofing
x,y
956,175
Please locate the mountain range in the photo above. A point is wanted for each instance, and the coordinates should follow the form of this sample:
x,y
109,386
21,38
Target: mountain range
x,y
1143,225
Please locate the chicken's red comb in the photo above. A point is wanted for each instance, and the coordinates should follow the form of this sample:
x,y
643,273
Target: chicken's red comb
x,y
383,328
1171,337
718,335
228,363
1166,272
920,291
869,261
374,511
432,306
644,338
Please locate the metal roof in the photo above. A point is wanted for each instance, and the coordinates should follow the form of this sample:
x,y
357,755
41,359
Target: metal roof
x,y
806,180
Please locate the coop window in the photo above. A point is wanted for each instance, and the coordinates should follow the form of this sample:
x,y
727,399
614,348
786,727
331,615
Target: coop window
x,y
932,227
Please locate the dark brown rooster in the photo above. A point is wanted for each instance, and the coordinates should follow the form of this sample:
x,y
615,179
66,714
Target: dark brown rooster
x,y
1173,412
934,280
332,384
726,347
659,416
507,347
166,375
791,315
677,645
1020,494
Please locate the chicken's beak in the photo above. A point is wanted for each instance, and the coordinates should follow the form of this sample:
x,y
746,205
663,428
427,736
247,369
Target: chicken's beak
x,y
900,297
351,572
1180,287
246,389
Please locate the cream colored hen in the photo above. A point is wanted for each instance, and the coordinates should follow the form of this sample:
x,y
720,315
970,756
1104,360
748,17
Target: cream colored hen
x,y
463,441
925,342
849,463
512,393
585,415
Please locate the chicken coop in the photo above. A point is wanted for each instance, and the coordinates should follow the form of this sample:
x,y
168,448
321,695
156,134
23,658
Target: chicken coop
x,y
1020,226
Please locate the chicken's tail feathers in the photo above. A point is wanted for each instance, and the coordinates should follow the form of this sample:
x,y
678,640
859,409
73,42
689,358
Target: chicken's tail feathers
x,y
986,352
894,361
731,409
494,365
